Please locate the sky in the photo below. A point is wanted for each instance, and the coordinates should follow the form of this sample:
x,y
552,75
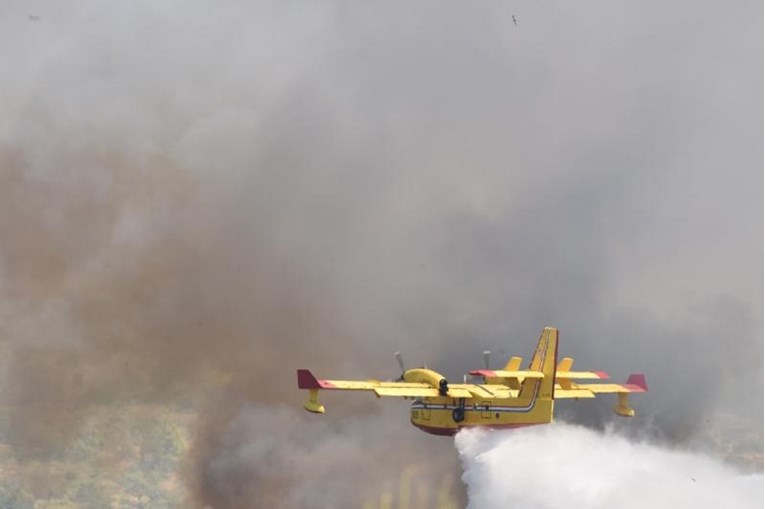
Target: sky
x,y
193,192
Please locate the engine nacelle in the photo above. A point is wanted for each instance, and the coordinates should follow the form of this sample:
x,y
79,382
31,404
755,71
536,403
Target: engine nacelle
x,y
428,376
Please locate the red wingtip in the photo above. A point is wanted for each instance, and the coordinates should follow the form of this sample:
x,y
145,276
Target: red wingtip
x,y
638,380
306,380
603,375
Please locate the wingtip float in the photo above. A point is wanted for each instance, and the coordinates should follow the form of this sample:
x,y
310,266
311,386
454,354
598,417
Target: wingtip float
x,y
508,398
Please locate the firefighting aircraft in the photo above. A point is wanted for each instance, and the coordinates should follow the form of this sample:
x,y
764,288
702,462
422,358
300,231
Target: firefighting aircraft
x,y
508,398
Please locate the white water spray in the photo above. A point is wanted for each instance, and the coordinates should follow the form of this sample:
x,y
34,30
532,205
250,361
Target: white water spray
x,y
563,465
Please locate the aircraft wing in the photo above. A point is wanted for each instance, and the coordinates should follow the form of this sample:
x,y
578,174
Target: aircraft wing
x,y
510,378
408,392
455,391
501,373
561,393
635,383
564,378
582,375
368,385
564,375
484,390
306,380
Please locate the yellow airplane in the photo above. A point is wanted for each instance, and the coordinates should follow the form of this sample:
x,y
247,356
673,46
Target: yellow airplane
x,y
509,398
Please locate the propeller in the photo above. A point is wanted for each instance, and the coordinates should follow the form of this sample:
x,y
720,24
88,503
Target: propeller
x,y
400,360
486,357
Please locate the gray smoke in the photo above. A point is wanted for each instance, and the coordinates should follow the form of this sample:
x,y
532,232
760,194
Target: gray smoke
x,y
191,192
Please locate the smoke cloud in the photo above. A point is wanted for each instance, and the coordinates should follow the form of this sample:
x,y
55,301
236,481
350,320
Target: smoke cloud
x,y
564,464
196,200
283,457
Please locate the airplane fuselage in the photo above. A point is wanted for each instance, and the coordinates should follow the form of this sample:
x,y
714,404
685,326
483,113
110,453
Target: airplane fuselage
x,y
446,416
